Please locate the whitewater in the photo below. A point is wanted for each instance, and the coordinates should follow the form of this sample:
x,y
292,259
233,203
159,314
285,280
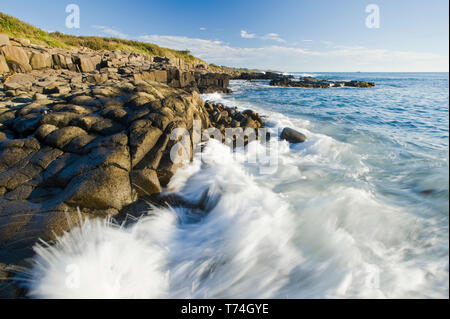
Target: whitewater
x,y
360,210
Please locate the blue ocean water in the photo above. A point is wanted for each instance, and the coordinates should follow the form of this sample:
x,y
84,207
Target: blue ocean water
x,y
389,145
400,127
359,210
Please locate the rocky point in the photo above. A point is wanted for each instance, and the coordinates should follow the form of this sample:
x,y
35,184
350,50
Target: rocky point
x,y
89,132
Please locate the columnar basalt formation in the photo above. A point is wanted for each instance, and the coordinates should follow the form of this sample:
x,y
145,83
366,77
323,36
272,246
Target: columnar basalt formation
x,y
88,131
20,56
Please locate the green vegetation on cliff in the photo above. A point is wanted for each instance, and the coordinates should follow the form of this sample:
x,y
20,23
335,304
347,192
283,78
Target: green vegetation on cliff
x,y
16,28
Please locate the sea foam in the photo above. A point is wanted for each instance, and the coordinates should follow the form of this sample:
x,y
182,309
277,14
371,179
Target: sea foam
x,y
251,236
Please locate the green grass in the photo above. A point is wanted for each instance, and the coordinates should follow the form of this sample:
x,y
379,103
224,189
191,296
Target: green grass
x,y
18,29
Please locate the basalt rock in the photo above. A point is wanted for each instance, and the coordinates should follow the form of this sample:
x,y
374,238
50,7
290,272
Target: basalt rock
x,y
262,76
16,58
310,82
89,132
4,39
84,149
4,68
212,82
19,56
292,136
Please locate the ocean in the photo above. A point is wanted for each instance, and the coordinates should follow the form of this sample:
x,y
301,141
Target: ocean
x,y
360,210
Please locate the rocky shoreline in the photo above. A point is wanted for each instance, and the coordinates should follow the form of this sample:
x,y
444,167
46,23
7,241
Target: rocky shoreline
x,y
90,133
21,56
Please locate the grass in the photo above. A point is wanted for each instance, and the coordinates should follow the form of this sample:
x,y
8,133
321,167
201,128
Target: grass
x,y
18,29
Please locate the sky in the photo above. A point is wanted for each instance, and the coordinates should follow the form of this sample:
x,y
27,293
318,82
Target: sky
x,y
283,35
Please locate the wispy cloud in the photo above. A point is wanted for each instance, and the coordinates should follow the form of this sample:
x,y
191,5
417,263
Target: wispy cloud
x,y
111,32
307,40
269,36
246,35
182,43
202,29
273,37
287,58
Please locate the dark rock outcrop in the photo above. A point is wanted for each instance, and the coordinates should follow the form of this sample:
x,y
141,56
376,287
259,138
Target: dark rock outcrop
x,y
292,136
310,82
212,82
88,133
278,79
262,76
95,147
8,289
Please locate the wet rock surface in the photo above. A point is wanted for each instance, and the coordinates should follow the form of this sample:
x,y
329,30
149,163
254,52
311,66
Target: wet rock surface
x,y
292,136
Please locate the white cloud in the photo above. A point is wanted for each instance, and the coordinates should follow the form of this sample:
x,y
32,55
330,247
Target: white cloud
x,y
183,43
269,36
202,29
286,58
273,37
110,31
307,40
246,35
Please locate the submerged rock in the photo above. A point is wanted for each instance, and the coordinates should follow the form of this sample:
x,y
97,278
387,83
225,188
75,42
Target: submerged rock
x,y
292,136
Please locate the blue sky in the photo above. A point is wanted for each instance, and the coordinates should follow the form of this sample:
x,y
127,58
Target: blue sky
x,y
286,35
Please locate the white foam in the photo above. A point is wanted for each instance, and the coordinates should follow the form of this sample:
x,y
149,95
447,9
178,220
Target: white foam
x,y
247,242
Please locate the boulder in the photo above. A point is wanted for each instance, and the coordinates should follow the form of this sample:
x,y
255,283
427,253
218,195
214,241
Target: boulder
x,y
102,188
25,125
160,76
143,137
212,82
292,136
44,130
22,82
97,78
63,136
145,182
3,65
87,64
16,58
40,61
107,127
4,39
23,42
61,61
